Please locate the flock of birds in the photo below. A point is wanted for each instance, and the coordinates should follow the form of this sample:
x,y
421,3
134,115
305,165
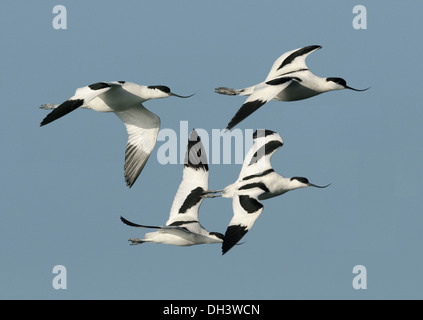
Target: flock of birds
x,y
289,79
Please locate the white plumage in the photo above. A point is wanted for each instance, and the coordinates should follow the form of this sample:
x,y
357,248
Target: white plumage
x,y
183,227
257,181
125,100
289,79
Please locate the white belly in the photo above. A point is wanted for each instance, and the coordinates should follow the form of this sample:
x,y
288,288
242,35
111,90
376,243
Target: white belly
x,y
114,100
295,91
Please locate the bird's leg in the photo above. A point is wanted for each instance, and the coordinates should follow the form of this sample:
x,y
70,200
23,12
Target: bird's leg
x,y
211,193
227,91
135,241
49,106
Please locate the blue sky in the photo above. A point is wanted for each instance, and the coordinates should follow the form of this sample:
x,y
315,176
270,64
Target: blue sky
x,y
62,186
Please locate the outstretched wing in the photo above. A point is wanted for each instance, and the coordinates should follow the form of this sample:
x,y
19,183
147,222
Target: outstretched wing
x,y
263,93
290,62
247,209
83,96
178,228
195,181
142,127
257,160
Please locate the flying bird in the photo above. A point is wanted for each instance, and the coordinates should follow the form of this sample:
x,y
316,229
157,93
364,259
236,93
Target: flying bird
x,y
289,79
257,181
183,228
125,100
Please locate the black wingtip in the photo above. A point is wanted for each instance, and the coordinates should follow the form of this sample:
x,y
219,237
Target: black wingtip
x,y
130,180
195,156
134,164
132,224
62,110
262,133
232,124
297,53
246,109
129,184
232,235
129,223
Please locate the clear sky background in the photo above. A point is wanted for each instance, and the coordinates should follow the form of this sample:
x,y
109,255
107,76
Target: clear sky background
x,y
62,187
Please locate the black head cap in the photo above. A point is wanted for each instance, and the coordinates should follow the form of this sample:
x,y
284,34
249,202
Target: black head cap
x,y
301,179
343,83
339,81
161,88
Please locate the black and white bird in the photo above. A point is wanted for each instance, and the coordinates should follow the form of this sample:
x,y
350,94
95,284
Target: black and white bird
x,y
289,79
125,100
183,228
257,181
